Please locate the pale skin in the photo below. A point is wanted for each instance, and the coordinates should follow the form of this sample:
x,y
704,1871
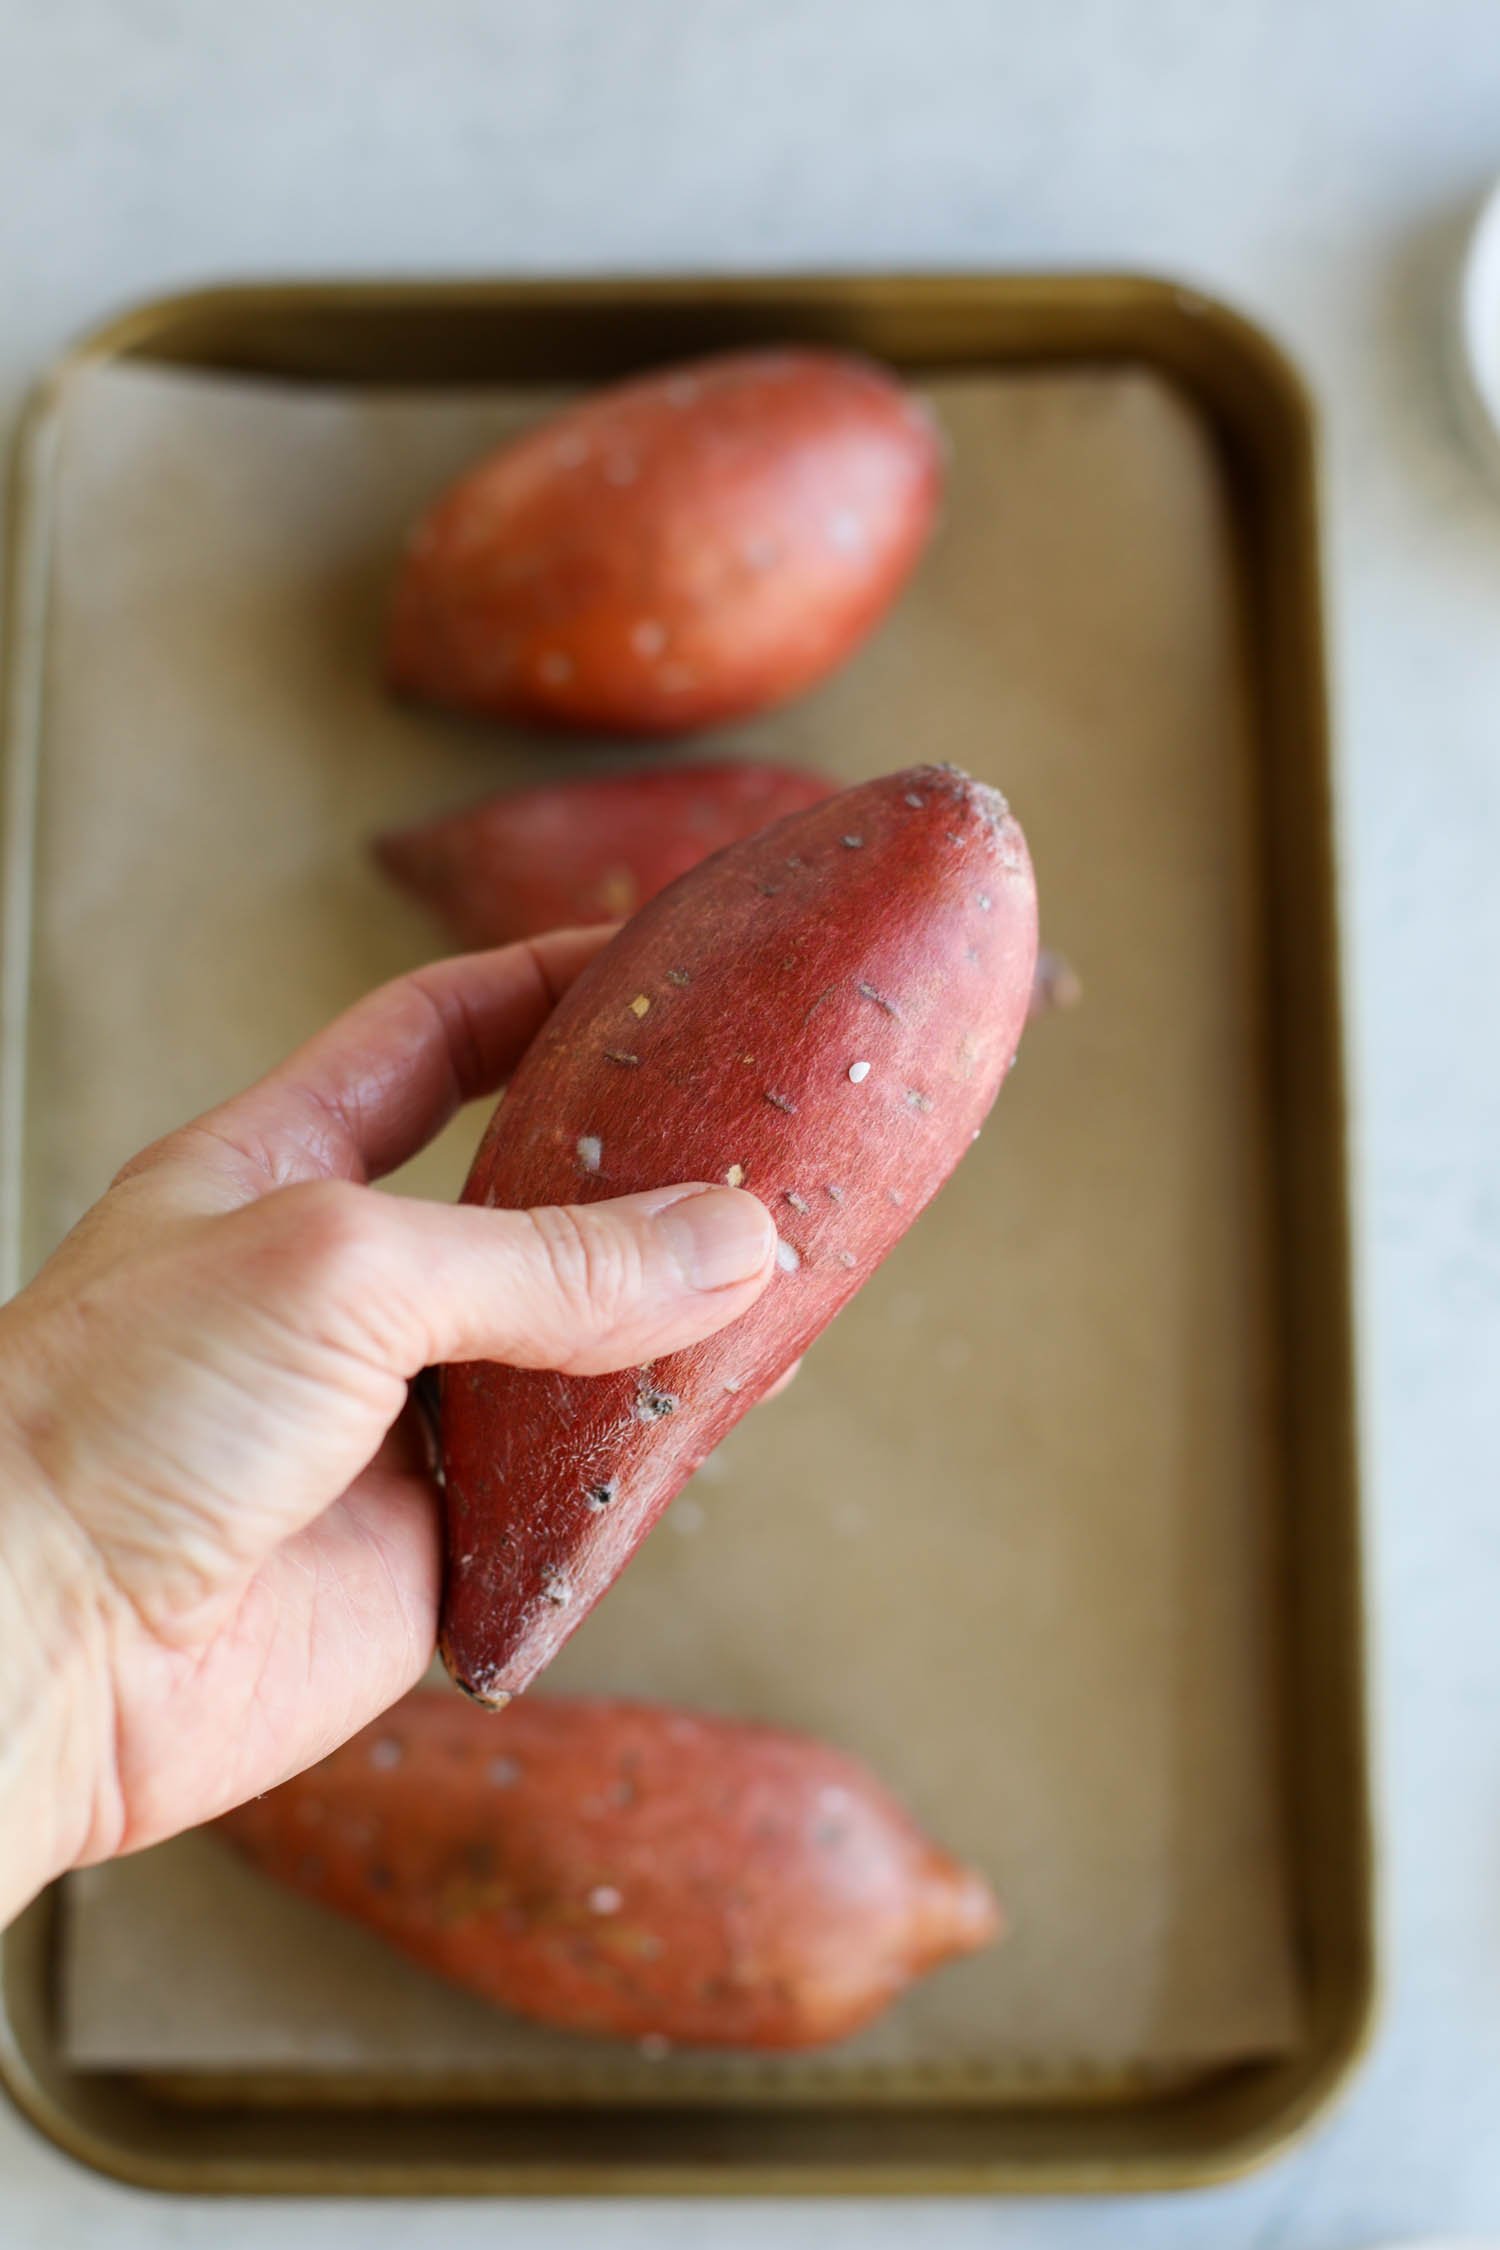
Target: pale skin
x,y
220,1545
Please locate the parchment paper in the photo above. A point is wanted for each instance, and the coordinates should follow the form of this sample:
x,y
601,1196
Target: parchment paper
x,y
1009,1537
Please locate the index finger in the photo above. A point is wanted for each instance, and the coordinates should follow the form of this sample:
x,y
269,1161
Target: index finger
x,y
374,1087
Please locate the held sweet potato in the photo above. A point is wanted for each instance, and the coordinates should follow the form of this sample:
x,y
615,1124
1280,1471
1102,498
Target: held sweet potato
x,y
626,1870
578,852
824,1015
681,549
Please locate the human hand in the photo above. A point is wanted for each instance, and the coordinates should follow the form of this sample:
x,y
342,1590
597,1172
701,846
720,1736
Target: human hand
x,y
219,1536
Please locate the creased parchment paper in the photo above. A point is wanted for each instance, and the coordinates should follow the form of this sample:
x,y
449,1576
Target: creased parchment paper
x,y
1010,1535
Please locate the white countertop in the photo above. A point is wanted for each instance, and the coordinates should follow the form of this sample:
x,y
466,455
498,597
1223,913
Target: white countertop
x,y
1313,162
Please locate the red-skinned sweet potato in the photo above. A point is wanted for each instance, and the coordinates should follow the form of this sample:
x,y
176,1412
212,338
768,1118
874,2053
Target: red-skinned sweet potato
x,y
824,1015
681,549
571,853
626,1870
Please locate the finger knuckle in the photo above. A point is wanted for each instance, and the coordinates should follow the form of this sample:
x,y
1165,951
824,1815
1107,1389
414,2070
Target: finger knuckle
x,y
595,1270
328,1231
149,1159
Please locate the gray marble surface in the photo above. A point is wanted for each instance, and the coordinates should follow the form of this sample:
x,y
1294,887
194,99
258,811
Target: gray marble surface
x,y
1314,163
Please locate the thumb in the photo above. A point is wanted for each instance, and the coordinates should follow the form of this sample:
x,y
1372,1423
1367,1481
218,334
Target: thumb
x,y
583,1288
